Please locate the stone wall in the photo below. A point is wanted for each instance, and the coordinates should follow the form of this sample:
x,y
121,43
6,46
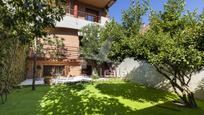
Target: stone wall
x,y
143,73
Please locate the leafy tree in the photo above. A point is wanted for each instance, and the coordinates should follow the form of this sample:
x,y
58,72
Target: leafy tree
x,y
52,47
112,33
21,22
173,45
132,17
91,41
90,45
131,25
97,42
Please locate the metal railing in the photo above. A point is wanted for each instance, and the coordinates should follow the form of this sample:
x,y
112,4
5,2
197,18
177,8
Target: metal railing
x,y
84,15
67,52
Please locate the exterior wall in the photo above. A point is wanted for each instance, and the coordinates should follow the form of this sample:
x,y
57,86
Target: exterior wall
x,y
82,8
69,36
70,21
71,68
144,73
71,63
70,39
68,30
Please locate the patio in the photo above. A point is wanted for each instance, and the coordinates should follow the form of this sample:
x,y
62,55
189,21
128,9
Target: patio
x,y
58,80
61,80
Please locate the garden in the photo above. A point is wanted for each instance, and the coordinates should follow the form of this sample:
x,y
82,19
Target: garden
x,y
113,97
172,43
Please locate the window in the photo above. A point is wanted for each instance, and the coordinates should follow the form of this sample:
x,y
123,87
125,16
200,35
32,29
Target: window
x,y
90,18
92,15
53,70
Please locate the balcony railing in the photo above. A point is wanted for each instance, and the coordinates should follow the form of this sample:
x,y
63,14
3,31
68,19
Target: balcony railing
x,y
68,52
83,15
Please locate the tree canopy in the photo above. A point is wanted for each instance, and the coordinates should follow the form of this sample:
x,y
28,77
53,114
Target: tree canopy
x,y
97,41
22,21
173,44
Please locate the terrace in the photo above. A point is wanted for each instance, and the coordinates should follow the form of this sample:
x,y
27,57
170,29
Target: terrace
x,y
83,19
85,12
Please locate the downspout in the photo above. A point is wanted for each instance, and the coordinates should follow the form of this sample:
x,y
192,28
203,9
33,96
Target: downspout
x,y
69,6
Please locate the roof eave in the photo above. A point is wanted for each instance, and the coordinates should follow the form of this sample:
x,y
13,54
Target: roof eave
x,y
110,3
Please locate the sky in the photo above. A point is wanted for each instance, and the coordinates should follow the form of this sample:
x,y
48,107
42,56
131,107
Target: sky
x,y
116,10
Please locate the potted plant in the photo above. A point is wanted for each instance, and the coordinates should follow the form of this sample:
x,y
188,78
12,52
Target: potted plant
x,y
48,80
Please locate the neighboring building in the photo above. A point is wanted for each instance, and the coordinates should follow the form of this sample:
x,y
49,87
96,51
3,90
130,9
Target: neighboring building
x,y
79,13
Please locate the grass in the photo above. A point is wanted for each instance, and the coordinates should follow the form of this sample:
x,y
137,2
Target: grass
x,y
23,101
106,98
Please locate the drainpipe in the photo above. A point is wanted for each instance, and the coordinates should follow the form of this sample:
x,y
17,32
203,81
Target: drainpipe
x,y
69,4
76,10
68,7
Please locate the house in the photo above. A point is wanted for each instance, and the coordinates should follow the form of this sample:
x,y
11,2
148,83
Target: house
x,y
79,13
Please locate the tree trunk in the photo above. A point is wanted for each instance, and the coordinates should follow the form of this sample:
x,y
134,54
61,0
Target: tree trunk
x,y
186,95
2,99
189,99
34,72
34,63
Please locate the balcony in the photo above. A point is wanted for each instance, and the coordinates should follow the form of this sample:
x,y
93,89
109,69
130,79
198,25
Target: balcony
x,y
84,15
78,19
63,53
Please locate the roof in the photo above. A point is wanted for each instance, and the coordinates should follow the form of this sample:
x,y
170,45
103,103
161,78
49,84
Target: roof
x,y
99,3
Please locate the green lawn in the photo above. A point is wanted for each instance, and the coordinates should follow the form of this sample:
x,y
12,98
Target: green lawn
x,y
106,98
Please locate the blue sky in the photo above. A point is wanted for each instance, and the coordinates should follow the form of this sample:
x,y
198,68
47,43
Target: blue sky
x,y
116,9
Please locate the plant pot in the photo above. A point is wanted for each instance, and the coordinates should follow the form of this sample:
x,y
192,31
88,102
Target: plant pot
x,y
48,80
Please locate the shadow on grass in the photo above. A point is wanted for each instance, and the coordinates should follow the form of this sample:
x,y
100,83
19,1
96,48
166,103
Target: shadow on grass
x,y
135,92
23,101
168,108
74,100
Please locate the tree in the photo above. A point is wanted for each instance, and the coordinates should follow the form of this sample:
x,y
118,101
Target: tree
x,y
97,42
91,44
50,7
131,26
132,17
173,45
49,46
21,22
91,41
